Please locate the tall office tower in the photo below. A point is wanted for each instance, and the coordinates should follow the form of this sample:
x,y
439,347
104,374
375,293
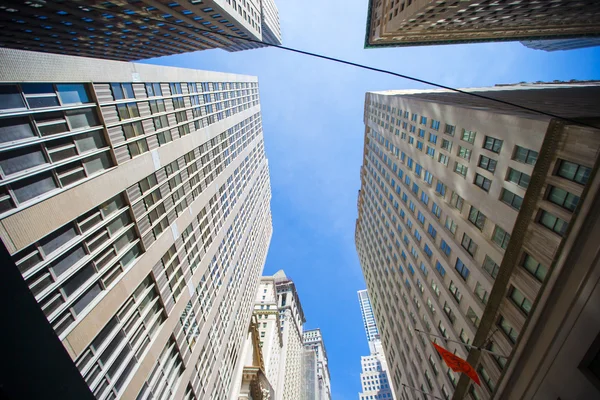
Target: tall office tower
x,y
470,214
427,22
313,343
291,316
134,30
135,203
375,379
268,343
271,31
366,311
562,44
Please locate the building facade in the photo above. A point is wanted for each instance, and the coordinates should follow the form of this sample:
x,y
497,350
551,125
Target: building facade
x,y
562,44
291,317
467,212
427,22
368,317
134,30
135,203
317,368
374,378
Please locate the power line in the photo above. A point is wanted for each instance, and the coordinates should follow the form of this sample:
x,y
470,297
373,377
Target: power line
x,y
362,66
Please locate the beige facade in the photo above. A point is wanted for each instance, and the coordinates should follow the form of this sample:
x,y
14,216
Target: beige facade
x,y
464,208
426,22
135,203
128,31
317,380
292,319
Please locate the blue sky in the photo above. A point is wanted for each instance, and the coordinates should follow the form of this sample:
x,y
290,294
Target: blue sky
x,y
313,126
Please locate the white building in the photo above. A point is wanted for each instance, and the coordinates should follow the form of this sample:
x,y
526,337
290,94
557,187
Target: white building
x,y
271,31
291,320
316,369
374,377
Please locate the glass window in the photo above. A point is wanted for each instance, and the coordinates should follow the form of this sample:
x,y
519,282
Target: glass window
x,y
457,201
490,267
481,293
487,163
82,118
469,245
37,185
508,329
465,153
483,182
449,129
534,267
511,199
477,218
525,155
89,141
492,144
573,172
462,269
562,198
21,159
518,177
10,98
74,93
468,136
460,169
520,300
553,223
500,237
97,163
14,128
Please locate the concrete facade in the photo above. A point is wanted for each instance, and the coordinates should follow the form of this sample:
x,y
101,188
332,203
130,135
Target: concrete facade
x,y
319,374
291,317
135,203
128,31
427,22
375,376
465,214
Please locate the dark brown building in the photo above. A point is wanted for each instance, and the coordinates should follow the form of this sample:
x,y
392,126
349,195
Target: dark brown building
x,y
424,22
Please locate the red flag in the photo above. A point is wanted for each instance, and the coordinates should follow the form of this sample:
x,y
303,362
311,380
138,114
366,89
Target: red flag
x,y
457,364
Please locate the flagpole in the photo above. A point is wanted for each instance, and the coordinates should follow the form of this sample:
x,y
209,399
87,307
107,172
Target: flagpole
x,y
464,344
428,394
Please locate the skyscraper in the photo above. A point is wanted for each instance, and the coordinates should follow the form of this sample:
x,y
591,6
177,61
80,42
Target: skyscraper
x,y
316,366
366,311
374,378
426,22
292,319
562,44
468,212
135,203
134,30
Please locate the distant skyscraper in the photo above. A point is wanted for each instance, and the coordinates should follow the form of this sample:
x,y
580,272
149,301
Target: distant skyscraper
x,y
316,369
469,217
135,204
425,22
562,44
291,319
368,318
374,378
134,30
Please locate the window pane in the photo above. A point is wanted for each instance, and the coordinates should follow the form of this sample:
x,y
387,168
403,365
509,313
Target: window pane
x,y
40,102
82,118
67,260
128,90
21,159
10,98
14,128
27,189
117,91
89,141
56,239
37,88
78,279
97,163
72,93
87,298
